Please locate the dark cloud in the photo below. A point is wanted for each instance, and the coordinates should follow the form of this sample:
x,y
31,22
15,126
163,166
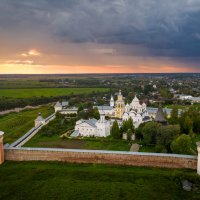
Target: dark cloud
x,y
166,27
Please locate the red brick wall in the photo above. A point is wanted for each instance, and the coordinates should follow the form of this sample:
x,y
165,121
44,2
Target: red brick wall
x,y
106,158
1,150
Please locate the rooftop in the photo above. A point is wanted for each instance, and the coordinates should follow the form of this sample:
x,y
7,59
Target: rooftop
x,y
160,116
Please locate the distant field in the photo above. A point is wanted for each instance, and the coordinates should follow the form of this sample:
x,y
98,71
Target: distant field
x,y
57,180
47,92
17,124
98,144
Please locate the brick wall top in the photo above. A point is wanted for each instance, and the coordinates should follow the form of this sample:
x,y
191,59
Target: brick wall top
x,y
103,152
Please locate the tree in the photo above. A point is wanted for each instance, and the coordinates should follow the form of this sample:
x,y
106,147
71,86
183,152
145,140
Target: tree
x,y
129,134
166,134
124,127
182,145
188,125
130,124
196,124
165,93
189,119
149,132
80,108
174,116
115,132
138,131
96,113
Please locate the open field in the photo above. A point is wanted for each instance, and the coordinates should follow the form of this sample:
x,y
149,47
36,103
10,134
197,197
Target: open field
x,y
47,92
98,144
25,83
17,124
54,180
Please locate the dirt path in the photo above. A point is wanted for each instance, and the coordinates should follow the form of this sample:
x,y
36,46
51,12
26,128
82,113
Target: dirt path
x,y
17,109
135,147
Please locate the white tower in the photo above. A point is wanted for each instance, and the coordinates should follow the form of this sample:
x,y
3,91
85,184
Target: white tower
x,y
39,120
112,102
102,118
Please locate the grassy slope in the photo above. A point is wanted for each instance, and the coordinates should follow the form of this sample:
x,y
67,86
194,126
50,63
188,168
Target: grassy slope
x,y
53,180
17,124
47,92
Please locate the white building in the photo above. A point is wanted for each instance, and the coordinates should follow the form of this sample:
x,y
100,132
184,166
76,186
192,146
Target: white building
x,y
107,110
63,108
187,97
136,111
61,105
195,99
70,110
39,120
92,127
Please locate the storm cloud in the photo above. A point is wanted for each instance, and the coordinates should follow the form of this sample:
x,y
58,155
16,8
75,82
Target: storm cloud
x,y
159,28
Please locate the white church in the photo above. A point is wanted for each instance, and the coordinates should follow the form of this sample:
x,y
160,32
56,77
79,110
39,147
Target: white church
x,y
136,111
92,127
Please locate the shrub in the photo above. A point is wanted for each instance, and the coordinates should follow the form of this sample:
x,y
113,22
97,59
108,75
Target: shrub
x,y
182,145
160,149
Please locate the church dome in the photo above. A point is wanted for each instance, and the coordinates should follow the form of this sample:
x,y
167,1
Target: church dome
x,y
135,99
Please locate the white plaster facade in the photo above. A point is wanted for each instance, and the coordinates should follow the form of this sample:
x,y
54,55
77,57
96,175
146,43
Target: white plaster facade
x,y
136,111
63,108
61,105
92,127
39,120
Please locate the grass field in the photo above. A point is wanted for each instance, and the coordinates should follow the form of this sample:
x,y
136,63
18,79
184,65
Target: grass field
x,y
17,124
98,144
147,149
54,180
47,92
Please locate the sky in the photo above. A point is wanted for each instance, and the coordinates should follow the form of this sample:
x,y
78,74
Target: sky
x,y
99,36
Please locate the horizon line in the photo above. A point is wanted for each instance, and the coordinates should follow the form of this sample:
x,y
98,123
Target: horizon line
x,y
100,73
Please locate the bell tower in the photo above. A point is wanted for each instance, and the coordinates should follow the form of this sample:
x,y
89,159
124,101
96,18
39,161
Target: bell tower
x,y
119,106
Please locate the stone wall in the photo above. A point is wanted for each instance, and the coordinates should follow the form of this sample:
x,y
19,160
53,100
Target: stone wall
x,y
105,157
1,150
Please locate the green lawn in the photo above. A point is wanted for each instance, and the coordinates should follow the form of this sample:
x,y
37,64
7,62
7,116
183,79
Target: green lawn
x,y
144,148
195,139
57,180
17,124
55,141
47,92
